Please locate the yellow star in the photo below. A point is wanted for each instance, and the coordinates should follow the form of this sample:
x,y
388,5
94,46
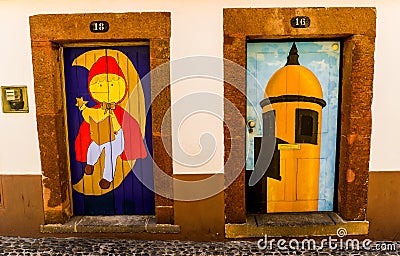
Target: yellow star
x,y
80,102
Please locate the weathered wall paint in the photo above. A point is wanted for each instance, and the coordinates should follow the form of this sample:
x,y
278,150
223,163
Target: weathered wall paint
x,y
21,210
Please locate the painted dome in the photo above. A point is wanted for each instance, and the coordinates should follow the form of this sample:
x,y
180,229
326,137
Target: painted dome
x,y
293,79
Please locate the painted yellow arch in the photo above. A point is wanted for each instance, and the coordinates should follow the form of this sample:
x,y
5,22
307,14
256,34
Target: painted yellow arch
x,y
133,103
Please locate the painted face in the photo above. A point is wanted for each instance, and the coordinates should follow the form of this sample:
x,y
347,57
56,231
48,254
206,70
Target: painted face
x,y
107,88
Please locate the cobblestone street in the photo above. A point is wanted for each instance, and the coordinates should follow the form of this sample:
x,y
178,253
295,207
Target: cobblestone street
x,y
83,246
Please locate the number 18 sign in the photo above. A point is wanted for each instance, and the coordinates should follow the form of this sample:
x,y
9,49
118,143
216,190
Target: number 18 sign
x,y
99,26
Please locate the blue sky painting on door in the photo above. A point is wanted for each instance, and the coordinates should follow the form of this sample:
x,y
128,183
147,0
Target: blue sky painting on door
x,y
323,59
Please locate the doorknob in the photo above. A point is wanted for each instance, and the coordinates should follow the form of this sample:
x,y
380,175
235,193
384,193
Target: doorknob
x,y
251,124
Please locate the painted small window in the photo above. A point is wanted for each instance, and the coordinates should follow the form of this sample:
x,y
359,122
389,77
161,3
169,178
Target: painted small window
x,y
306,126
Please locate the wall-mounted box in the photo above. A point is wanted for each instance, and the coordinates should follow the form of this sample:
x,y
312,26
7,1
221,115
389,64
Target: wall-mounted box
x,y
14,99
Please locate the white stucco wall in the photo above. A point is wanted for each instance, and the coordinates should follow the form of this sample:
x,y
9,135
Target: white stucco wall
x,y
196,30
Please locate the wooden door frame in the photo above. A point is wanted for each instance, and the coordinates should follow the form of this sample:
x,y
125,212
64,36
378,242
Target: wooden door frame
x,y
49,32
242,24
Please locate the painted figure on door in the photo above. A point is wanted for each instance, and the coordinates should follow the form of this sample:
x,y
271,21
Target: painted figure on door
x,y
107,126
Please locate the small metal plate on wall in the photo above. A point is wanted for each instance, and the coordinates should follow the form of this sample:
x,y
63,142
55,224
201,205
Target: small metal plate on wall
x,y
288,146
300,22
14,99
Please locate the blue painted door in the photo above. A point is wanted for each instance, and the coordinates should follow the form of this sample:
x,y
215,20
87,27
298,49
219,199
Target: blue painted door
x,y
107,97
301,165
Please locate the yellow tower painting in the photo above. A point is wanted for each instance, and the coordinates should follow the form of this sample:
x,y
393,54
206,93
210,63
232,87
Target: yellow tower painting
x,y
295,96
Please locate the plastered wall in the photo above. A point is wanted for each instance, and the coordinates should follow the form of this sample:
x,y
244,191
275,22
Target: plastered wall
x,y
196,30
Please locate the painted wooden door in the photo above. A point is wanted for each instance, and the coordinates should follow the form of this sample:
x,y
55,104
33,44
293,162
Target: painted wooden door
x,y
301,83
107,97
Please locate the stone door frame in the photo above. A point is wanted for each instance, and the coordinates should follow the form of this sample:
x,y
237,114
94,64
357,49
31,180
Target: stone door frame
x,y
356,28
49,32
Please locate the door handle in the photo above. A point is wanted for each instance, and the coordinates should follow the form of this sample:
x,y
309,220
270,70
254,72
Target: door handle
x,y
251,124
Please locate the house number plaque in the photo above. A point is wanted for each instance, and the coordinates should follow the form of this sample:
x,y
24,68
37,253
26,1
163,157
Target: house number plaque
x,y
300,22
99,26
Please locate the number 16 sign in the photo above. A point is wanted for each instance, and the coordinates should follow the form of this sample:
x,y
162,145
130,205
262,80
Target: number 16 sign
x,y
300,22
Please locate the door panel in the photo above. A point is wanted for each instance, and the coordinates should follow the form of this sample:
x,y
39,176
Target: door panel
x,y
109,128
306,126
282,192
305,180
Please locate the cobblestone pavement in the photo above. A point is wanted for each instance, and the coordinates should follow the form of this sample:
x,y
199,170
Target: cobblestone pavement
x,y
84,246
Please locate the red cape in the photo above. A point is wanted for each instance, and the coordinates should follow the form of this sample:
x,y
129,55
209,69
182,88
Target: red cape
x,y
133,142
